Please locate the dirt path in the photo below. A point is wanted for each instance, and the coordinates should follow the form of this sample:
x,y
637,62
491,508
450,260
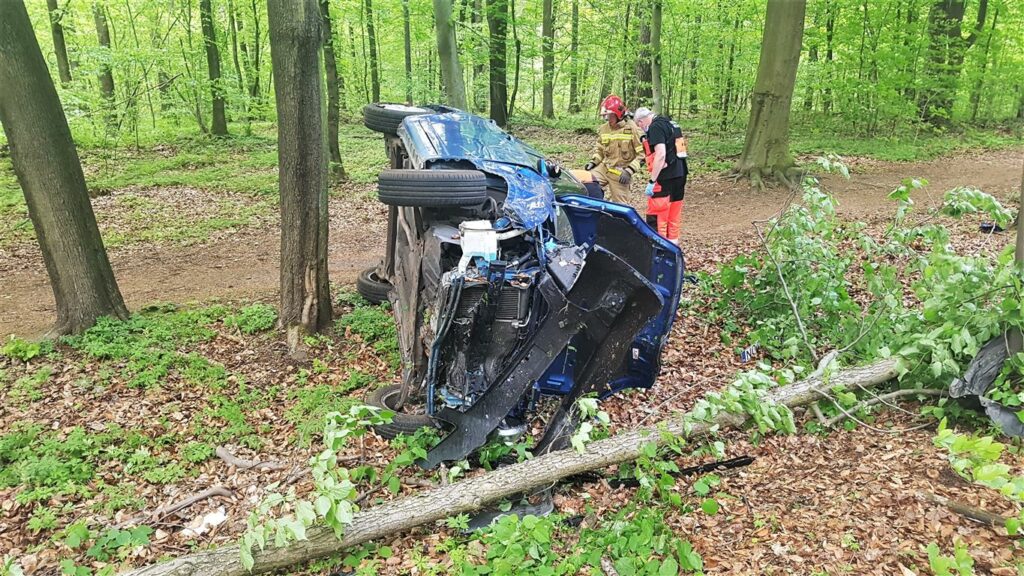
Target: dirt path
x,y
243,265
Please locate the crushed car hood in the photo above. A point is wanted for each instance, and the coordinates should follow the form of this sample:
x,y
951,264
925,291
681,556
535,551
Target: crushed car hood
x,y
458,136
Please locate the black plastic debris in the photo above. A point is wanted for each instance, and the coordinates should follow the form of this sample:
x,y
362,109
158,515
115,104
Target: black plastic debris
x,y
978,379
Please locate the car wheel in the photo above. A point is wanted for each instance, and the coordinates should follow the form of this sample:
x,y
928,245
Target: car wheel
x,y
371,287
432,188
402,423
386,118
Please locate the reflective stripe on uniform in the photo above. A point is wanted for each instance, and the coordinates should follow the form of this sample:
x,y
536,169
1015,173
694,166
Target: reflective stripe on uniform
x,y
605,138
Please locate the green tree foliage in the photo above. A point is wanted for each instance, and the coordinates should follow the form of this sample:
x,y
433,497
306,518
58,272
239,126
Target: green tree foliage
x,y
867,66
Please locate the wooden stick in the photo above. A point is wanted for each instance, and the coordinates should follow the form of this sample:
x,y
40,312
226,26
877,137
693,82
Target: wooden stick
x,y
243,464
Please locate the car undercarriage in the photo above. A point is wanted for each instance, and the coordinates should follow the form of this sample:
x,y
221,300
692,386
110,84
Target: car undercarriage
x,y
512,289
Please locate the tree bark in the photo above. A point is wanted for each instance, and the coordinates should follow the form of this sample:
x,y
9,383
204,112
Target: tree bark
x,y
219,126
766,149
726,103
497,25
642,93
371,37
574,47
548,59
295,61
59,46
946,50
472,494
233,31
693,68
48,168
448,53
106,77
408,52
518,49
333,109
656,92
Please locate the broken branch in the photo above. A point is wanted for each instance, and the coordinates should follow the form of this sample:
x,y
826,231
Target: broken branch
x,y
472,494
243,464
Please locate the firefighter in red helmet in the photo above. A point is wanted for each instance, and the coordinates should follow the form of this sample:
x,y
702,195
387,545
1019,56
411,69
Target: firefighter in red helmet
x,y
619,151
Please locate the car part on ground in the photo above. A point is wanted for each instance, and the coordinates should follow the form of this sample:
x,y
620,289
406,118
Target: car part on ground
x,y
370,286
506,290
387,398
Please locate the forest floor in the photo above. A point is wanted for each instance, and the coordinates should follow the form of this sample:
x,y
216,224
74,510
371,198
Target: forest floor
x,y
105,429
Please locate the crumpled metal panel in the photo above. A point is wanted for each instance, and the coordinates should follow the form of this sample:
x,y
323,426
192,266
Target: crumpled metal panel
x,y
980,375
458,136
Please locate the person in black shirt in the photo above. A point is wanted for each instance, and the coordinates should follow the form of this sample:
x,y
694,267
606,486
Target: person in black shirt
x,y
668,170
668,167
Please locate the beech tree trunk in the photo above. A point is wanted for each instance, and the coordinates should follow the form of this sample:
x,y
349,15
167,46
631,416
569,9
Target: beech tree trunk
x,y
219,127
106,77
766,149
497,26
946,50
408,52
48,168
371,37
448,52
642,93
59,46
472,494
656,93
333,108
302,167
548,60
574,46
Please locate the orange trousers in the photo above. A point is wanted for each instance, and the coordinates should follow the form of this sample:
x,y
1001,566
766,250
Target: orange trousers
x,y
665,217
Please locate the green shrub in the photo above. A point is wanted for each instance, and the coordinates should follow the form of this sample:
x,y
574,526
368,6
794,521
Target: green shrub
x,y
24,350
252,319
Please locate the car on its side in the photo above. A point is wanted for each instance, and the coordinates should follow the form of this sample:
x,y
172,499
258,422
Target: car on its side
x,y
514,292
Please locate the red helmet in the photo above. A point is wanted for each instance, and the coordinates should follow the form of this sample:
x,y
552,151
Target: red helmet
x,y
613,105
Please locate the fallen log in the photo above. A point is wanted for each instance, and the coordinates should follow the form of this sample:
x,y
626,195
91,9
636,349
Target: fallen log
x,y
472,494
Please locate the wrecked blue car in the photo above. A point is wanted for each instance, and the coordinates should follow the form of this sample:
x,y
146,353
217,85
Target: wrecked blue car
x,y
514,293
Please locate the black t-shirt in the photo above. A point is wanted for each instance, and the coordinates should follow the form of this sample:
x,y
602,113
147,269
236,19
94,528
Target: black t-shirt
x,y
661,131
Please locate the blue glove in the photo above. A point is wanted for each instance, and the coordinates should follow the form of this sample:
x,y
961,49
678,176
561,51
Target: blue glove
x,y
650,189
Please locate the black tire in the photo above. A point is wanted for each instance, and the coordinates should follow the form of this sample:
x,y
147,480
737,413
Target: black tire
x,y
402,423
385,118
432,188
371,287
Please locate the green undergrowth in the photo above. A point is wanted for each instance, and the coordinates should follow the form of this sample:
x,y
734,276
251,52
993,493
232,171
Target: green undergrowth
x,y
375,326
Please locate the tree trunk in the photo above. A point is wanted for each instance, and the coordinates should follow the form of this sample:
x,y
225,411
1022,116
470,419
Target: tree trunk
x,y
472,494
518,47
219,127
830,32
371,37
233,30
574,46
295,61
106,77
548,59
48,168
448,53
408,52
946,50
980,82
497,25
642,93
59,47
333,109
693,68
766,149
726,102
254,78
656,93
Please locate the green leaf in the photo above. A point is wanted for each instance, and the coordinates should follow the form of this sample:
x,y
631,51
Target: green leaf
x,y
669,567
710,506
